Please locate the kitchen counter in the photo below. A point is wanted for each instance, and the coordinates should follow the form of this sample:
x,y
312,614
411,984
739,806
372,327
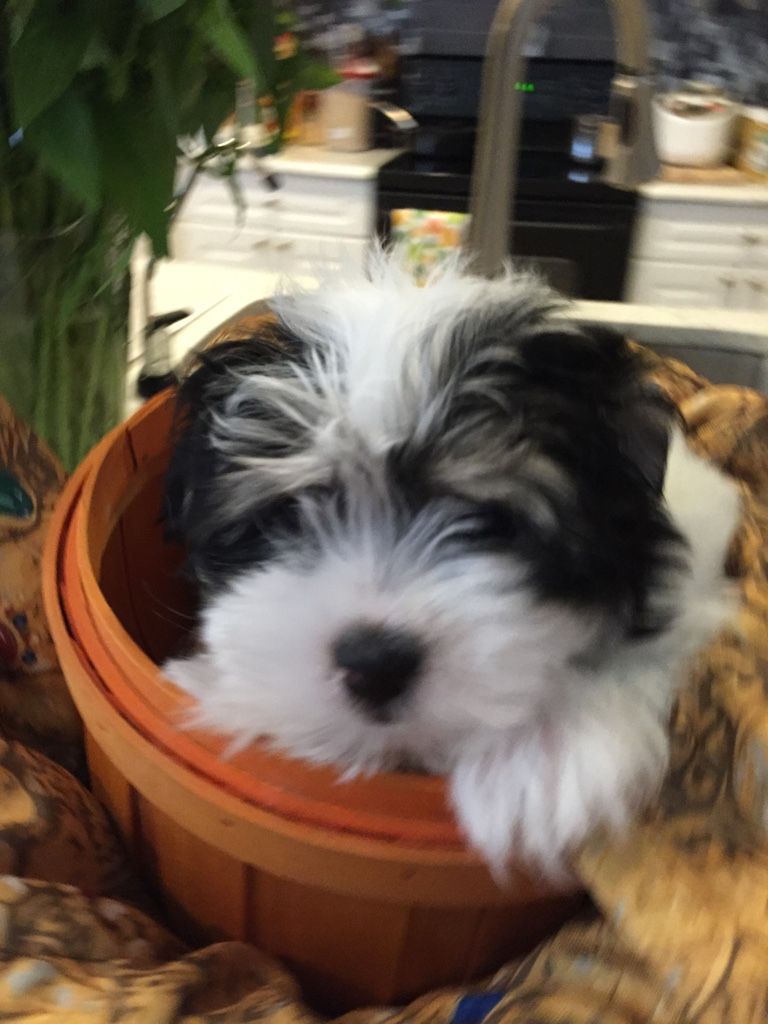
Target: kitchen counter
x,y
727,345
320,162
700,192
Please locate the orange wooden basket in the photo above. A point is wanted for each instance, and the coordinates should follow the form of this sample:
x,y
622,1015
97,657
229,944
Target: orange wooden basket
x,y
364,889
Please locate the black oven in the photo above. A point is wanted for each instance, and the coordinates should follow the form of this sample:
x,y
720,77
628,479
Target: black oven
x,y
567,223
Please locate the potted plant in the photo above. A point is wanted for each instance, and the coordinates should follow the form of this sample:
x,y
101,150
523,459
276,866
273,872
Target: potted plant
x,y
94,97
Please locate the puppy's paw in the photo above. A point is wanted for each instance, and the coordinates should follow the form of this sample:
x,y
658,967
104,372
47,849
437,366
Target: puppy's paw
x,y
535,797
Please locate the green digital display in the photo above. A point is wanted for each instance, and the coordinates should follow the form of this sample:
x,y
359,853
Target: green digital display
x,y
525,87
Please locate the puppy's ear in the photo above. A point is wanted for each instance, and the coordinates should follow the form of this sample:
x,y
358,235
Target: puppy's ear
x,y
598,366
580,357
642,415
644,422
191,509
213,373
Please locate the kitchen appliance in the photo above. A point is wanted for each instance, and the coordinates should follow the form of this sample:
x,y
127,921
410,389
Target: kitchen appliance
x,y
568,223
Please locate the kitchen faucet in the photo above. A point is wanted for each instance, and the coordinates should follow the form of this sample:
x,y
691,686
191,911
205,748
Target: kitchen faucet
x,y
630,157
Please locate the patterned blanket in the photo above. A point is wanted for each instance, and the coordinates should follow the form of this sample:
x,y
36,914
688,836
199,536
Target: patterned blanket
x,y
680,928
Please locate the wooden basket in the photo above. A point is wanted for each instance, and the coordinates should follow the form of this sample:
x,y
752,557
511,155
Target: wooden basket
x,y
365,889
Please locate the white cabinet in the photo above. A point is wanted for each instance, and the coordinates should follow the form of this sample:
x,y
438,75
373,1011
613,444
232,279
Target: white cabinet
x,y
692,252
320,218
663,283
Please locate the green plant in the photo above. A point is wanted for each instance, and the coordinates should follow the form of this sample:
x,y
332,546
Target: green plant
x,y
94,95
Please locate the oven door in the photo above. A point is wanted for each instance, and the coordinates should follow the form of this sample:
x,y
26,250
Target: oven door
x,y
581,248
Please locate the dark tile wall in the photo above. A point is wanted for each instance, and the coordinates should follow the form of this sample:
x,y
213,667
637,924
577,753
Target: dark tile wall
x,y
722,41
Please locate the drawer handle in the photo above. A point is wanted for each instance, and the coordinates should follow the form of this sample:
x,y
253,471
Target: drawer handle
x,y
750,238
727,283
756,286
260,243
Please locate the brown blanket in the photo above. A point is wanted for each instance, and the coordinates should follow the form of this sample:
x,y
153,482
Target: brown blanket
x,y
681,933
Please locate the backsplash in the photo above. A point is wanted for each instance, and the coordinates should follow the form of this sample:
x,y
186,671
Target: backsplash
x,y
721,41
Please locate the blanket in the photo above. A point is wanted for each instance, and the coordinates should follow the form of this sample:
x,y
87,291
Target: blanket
x,y
680,927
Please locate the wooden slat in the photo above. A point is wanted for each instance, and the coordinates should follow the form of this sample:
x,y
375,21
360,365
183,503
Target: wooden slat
x,y
117,587
112,789
503,935
318,934
162,600
203,889
437,949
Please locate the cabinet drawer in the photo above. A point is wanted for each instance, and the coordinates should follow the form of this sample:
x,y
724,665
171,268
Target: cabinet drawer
x,y
220,243
213,201
754,288
683,284
279,252
723,234
302,204
325,206
311,255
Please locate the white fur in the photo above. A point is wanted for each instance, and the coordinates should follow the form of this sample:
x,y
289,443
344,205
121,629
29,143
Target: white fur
x,y
370,388
546,724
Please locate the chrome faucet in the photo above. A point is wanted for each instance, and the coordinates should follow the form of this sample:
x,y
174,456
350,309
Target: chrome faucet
x,y
630,157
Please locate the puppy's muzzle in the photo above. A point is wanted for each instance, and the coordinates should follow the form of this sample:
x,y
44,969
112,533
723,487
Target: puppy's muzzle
x,y
379,666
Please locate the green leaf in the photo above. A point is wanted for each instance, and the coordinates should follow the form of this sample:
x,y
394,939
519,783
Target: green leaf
x,y
262,30
154,10
126,62
312,74
17,13
214,105
139,158
98,54
64,141
164,98
188,86
46,57
220,28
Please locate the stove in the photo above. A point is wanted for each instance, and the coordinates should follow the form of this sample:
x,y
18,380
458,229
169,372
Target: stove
x,y
568,224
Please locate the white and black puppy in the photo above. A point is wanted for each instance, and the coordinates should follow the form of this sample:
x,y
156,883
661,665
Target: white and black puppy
x,y
443,527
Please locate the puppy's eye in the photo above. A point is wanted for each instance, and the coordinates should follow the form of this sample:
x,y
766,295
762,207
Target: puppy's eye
x,y
489,522
500,519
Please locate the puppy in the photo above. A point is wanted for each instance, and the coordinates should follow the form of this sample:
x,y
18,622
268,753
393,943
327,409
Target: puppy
x,y
443,527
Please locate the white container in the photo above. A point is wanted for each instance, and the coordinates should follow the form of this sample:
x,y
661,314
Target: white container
x,y
702,139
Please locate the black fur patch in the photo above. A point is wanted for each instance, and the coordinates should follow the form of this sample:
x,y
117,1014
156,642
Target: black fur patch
x,y
195,490
581,400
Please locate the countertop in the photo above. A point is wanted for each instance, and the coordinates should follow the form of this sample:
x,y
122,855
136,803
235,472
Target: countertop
x,y
216,293
316,161
752,193
320,162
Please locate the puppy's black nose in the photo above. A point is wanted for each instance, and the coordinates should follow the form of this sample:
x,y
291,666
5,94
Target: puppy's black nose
x,y
379,665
